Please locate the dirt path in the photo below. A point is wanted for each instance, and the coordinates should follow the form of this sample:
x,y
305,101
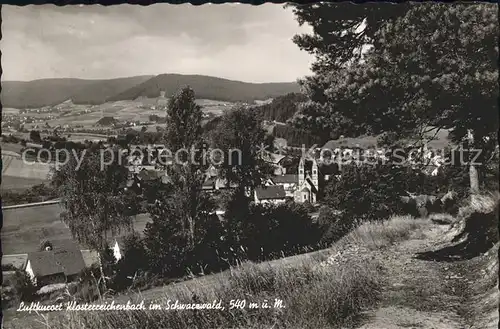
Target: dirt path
x,y
418,293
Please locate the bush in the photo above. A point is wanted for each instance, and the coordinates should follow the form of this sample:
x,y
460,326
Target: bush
x,y
133,261
271,231
368,192
17,288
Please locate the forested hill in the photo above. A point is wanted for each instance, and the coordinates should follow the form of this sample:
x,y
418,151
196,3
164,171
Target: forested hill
x,y
207,87
282,108
49,92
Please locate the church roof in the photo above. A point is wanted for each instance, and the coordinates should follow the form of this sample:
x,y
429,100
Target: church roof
x,y
285,179
270,192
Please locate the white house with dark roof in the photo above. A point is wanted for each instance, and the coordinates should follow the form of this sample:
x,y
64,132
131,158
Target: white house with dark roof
x,y
60,262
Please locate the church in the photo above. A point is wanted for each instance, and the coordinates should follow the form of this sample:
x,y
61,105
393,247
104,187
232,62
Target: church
x,y
301,187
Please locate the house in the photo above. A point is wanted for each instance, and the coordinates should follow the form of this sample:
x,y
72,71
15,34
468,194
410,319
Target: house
x,y
222,184
288,181
270,194
15,261
60,262
276,161
90,257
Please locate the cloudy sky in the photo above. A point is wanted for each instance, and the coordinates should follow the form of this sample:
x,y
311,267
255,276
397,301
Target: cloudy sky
x,y
238,41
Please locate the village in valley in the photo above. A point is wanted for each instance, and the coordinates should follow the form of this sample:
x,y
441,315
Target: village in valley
x,y
331,195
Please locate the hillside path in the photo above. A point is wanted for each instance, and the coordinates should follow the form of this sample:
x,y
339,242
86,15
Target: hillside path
x,y
417,293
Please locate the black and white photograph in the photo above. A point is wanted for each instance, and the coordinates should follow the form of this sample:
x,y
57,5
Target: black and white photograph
x,y
330,165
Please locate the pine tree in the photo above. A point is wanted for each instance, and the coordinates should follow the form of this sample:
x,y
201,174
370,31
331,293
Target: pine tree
x,y
430,66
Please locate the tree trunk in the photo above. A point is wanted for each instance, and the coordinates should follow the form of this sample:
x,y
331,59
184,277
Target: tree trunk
x,y
191,232
473,174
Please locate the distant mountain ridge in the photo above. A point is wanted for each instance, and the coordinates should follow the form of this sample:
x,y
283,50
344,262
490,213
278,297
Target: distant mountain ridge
x,y
49,92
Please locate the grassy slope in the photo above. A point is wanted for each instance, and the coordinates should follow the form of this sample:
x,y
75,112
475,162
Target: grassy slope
x,y
375,262
314,295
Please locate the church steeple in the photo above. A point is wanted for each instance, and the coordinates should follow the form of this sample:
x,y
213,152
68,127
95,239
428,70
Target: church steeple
x,y
302,174
314,175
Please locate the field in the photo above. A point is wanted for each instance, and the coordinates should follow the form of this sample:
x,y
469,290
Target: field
x,y
18,184
11,148
10,110
24,228
15,167
128,110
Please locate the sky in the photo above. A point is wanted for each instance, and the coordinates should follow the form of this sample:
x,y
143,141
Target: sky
x,y
233,41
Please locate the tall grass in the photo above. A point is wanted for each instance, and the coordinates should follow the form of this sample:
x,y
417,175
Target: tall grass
x,y
484,203
313,297
381,234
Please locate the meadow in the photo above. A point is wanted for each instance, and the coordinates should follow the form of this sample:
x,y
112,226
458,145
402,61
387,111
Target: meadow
x,y
19,184
24,228
15,167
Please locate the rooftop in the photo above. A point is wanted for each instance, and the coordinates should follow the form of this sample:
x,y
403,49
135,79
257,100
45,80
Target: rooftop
x,y
67,261
270,192
285,179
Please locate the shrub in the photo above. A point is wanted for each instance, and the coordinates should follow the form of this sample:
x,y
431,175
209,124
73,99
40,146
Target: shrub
x,y
17,288
271,231
134,260
368,192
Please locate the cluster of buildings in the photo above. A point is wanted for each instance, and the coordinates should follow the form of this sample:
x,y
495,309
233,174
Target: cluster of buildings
x,y
300,186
